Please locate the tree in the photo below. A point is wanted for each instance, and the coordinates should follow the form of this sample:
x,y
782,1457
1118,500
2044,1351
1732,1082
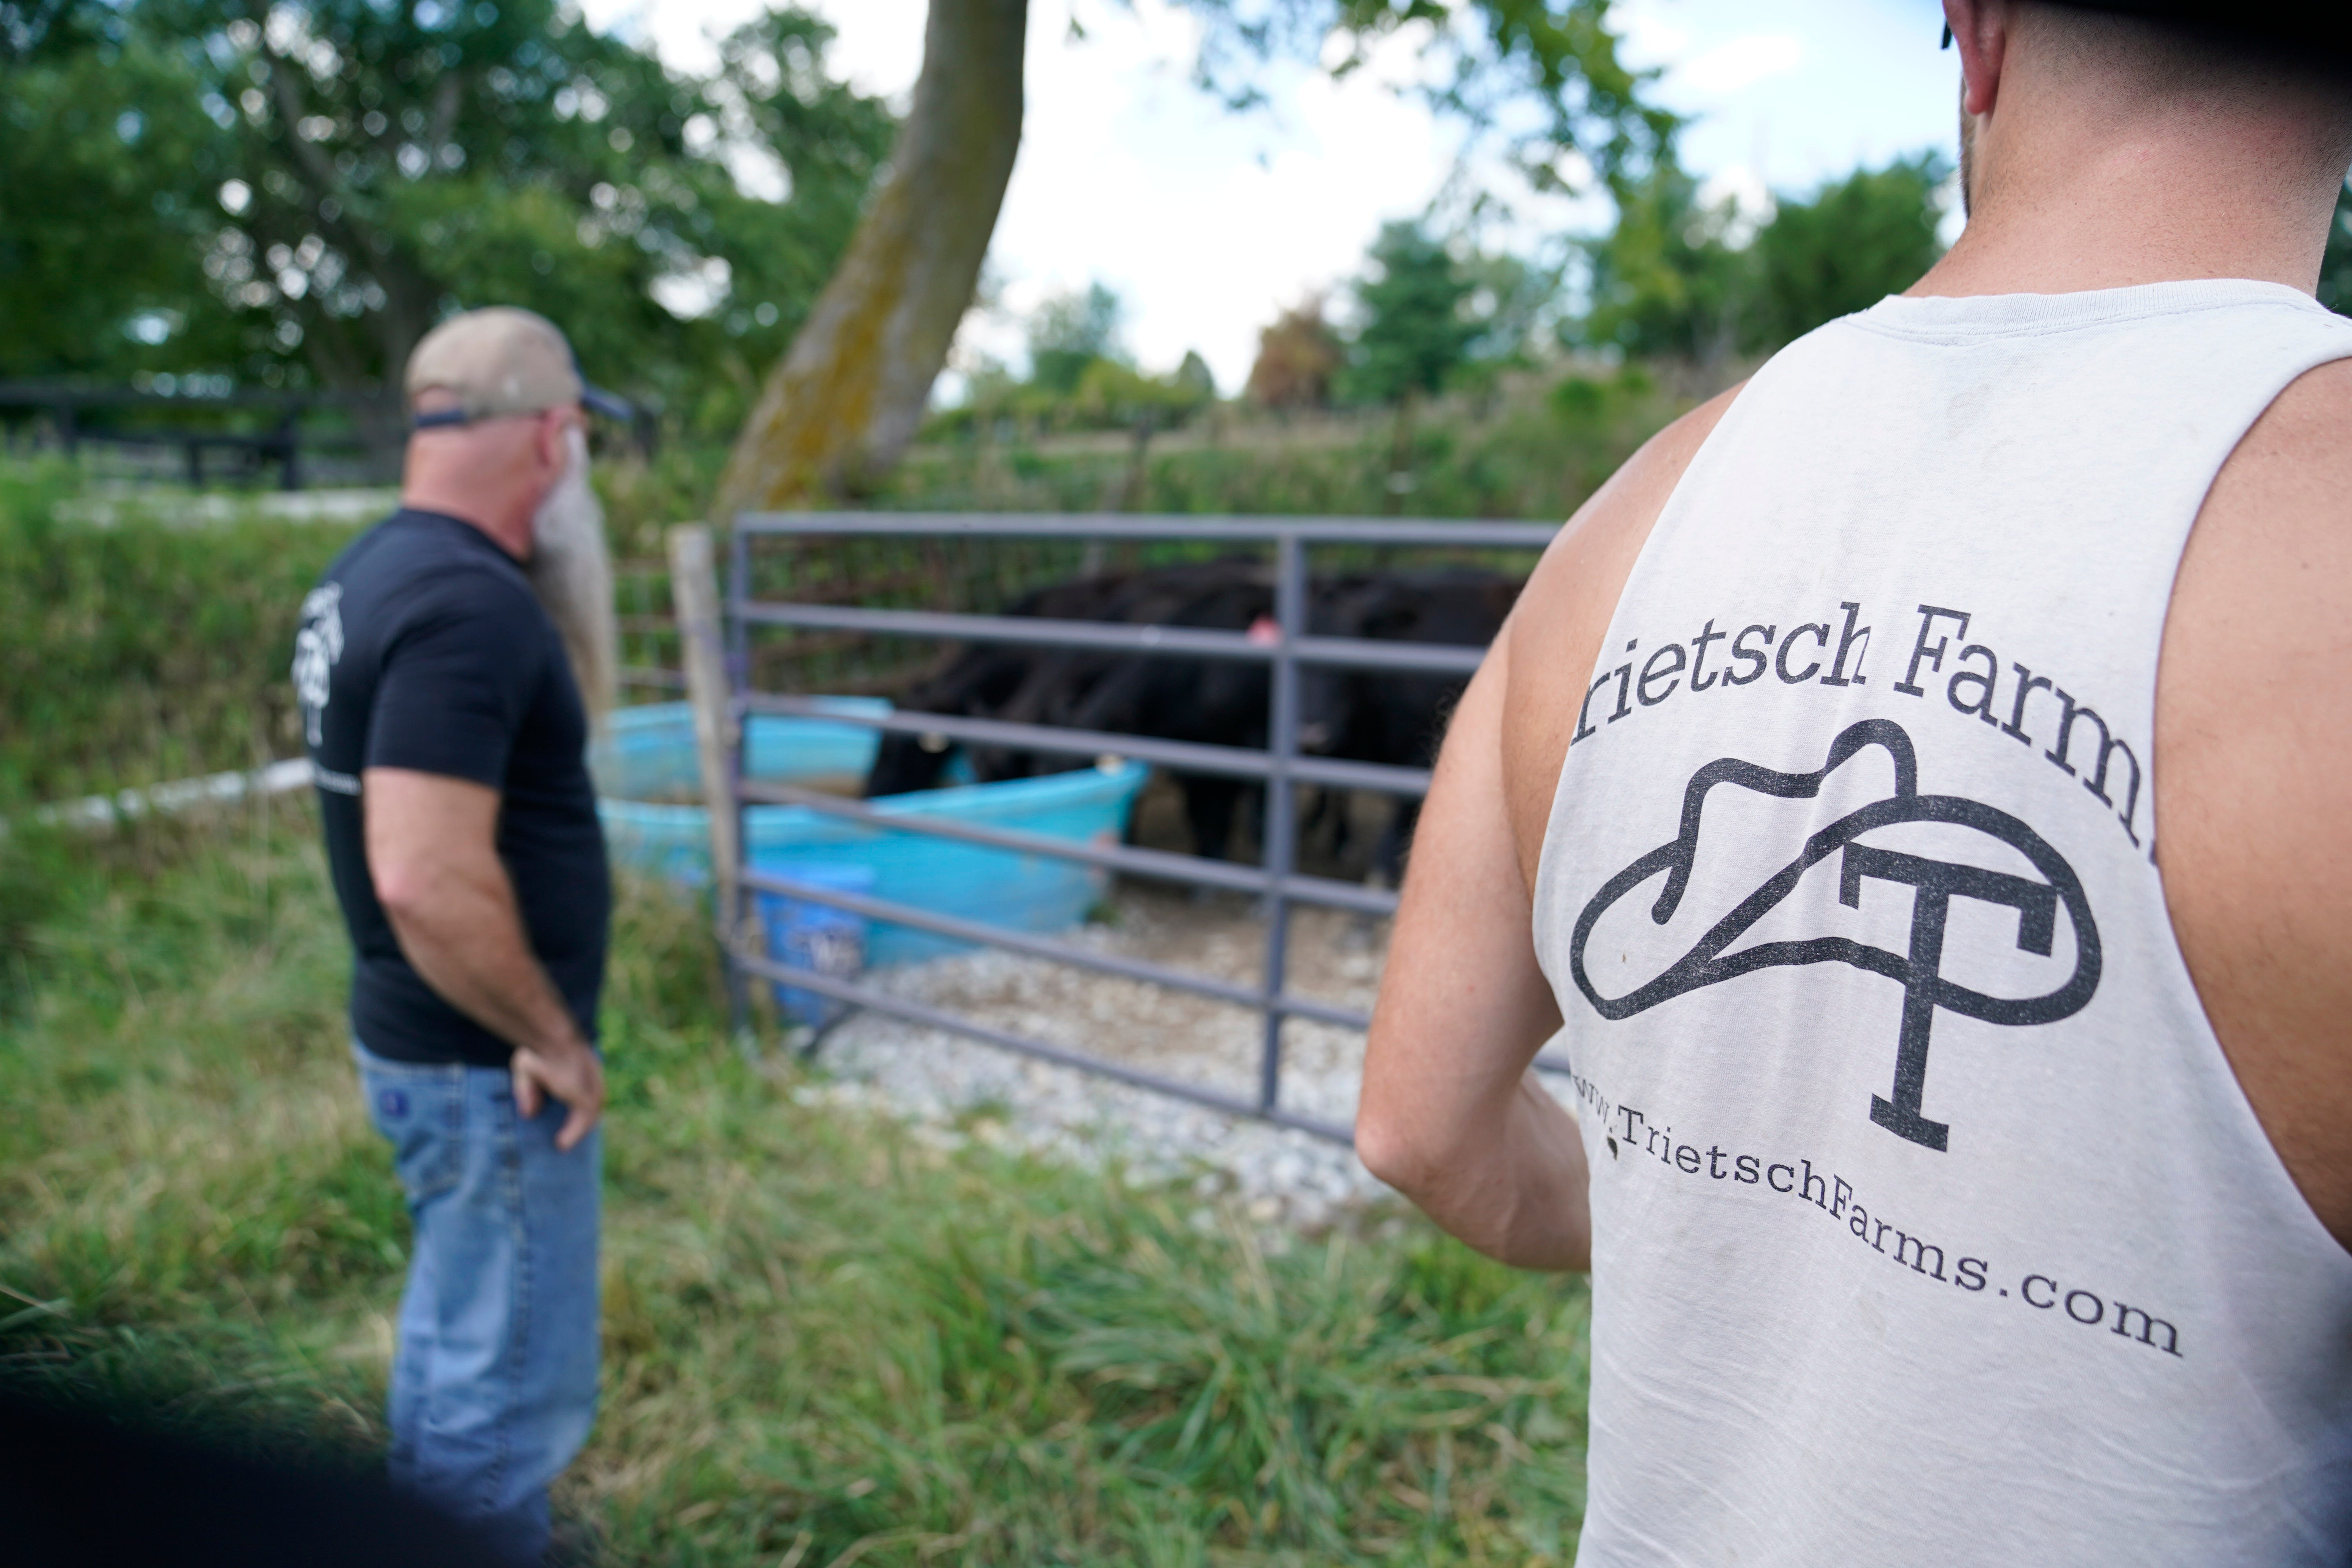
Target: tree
x,y
98,256
1081,376
1511,300
1677,277
1193,378
851,392
1415,331
1298,356
1114,395
33,28
1666,281
294,194
1856,241
1071,332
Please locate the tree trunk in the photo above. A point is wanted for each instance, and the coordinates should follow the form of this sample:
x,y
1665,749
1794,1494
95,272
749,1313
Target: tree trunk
x,y
849,396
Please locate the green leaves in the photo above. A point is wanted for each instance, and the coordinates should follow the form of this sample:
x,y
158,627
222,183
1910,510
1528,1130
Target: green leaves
x,y
1433,315
299,199
1071,332
1415,331
1543,75
1678,277
32,29
1857,240
95,226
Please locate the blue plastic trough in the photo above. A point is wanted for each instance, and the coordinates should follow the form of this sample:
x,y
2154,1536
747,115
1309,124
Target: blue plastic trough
x,y
650,755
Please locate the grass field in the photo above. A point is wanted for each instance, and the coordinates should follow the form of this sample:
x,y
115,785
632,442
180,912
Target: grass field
x,y
826,1341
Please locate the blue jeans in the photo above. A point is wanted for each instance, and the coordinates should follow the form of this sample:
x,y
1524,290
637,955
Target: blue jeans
x,y
494,1378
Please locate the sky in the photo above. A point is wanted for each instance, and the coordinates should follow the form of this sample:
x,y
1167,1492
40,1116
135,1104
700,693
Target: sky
x,y
1208,221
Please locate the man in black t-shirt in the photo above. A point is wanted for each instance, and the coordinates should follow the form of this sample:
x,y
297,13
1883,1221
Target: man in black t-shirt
x,y
444,712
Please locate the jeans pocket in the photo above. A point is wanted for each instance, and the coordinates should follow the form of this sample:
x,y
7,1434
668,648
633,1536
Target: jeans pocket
x,y
421,1112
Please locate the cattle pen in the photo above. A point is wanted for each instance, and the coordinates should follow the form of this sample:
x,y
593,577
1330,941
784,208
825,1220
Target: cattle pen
x,y
1283,645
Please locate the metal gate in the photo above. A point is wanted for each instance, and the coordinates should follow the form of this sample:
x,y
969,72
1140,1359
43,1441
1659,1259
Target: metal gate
x,y
1279,766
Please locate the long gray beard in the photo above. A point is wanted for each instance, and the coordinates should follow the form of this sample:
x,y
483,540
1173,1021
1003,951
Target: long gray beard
x,y
571,569
1968,157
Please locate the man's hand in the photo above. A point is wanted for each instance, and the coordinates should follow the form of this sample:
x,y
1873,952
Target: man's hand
x,y
569,1073
432,850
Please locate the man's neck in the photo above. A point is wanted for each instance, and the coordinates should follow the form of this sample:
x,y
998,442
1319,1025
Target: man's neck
x,y
509,533
2065,204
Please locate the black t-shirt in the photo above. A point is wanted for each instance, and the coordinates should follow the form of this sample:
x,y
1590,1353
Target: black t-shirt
x,y
422,647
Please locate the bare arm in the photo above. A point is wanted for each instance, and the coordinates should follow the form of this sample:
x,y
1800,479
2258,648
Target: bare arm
x,y
1451,1115
432,851
2254,746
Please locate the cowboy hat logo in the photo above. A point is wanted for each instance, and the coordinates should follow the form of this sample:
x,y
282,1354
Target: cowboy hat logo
x,y
1919,970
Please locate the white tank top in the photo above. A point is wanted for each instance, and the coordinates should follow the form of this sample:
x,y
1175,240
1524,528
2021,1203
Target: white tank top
x,y
1930,1224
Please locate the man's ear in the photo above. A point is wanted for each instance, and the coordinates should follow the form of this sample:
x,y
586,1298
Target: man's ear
x,y
554,452
1980,29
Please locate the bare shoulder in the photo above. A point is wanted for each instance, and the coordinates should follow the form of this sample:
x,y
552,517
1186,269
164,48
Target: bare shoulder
x,y
1554,635
2254,776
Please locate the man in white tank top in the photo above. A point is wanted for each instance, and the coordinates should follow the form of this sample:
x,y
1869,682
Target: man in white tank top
x,y
1913,794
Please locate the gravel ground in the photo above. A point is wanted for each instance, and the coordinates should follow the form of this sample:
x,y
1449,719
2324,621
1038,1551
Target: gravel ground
x,y
955,1089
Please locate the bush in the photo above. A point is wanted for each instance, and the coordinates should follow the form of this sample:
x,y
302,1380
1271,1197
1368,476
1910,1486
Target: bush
x,y
152,647
1517,451
139,643
144,647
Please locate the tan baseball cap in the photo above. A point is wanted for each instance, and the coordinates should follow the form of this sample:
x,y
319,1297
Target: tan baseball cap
x,y
498,361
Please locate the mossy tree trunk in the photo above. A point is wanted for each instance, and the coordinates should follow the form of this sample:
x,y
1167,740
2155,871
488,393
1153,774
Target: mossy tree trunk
x,y
850,393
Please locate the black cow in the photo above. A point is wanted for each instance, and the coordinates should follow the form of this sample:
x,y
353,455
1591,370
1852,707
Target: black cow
x,y
979,684
1219,703
1381,716
1362,716
1163,697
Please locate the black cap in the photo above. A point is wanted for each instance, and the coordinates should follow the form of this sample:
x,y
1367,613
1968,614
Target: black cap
x,y
611,405
501,360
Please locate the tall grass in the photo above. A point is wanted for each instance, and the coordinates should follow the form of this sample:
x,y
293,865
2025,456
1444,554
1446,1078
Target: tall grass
x,y
826,1341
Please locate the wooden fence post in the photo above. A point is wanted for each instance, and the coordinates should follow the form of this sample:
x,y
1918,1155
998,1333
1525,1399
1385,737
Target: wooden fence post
x,y
693,599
